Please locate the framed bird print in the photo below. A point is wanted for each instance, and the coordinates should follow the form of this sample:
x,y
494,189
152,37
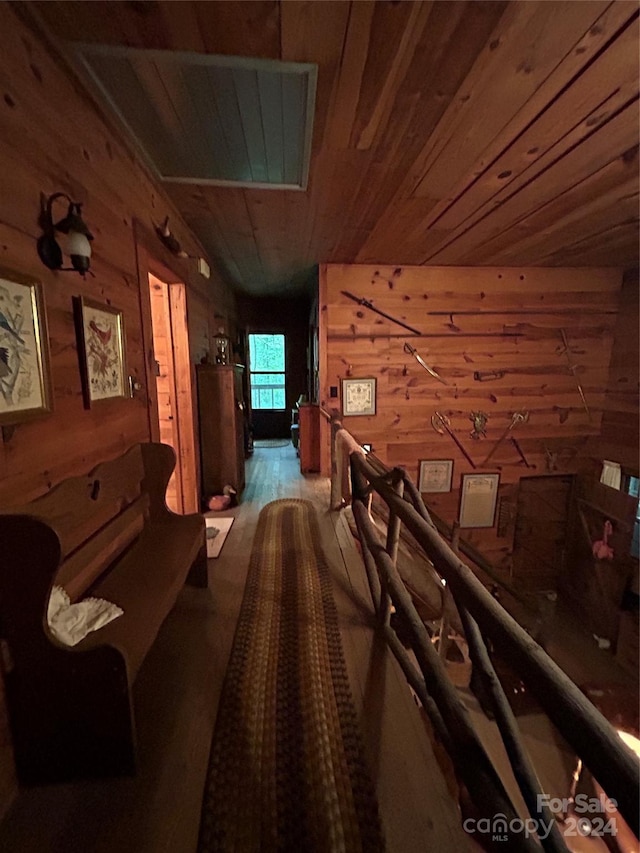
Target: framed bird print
x,y
100,332
25,375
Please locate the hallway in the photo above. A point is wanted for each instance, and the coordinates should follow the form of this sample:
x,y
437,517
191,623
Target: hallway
x,y
178,690
177,693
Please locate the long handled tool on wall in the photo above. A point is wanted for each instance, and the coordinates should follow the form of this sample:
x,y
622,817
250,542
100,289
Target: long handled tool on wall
x,y
517,418
414,352
442,425
573,369
365,302
516,444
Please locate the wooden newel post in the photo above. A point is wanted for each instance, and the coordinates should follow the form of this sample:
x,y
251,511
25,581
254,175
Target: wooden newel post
x,y
359,484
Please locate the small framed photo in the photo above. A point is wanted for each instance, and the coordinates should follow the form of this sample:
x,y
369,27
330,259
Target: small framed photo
x,y
100,332
358,397
25,374
478,499
435,475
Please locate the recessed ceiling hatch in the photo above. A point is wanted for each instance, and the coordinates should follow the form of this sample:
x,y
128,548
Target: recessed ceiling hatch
x,y
210,119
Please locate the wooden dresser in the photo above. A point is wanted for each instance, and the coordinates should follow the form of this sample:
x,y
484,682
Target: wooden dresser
x,y
221,411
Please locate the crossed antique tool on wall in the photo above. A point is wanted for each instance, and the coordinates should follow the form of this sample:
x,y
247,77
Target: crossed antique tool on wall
x,y
442,425
517,418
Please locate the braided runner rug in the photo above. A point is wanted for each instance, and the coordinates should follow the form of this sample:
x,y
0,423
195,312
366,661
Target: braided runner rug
x,y
286,770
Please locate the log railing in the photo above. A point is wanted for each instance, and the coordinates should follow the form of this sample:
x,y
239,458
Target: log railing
x,y
355,476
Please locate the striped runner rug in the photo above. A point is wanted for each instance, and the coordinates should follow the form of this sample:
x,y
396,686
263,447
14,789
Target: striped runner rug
x,y
286,769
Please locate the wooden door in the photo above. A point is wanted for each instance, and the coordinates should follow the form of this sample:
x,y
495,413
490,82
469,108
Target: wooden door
x,y
174,389
541,531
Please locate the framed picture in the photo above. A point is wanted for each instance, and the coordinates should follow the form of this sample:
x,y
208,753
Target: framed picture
x,y
25,375
435,475
358,396
478,498
100,332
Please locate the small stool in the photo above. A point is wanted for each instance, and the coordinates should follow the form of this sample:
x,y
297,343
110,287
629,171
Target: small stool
x,y
295,430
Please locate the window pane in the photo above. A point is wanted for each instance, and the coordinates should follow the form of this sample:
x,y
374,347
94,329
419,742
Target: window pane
x,y
274,379
266,352
278,398
265,398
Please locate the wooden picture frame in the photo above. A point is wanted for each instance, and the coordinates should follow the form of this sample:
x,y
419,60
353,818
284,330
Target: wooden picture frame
x,y
101,351
25,373
478,500
358,396
435,475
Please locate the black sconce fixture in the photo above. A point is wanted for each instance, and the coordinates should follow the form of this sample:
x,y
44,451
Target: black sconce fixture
x,y
70,236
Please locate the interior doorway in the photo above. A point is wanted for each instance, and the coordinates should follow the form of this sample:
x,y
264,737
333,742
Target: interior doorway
x,y
174,389
541,531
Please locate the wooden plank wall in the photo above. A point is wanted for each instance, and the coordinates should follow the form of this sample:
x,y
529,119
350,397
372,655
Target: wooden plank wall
x,y
53,138
620,437
449,132
472,319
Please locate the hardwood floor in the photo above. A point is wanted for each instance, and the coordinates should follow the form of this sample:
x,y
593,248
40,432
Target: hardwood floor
x,y
178,689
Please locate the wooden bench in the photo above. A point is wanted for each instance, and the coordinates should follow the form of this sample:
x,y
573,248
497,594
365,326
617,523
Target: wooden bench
x,y
108,534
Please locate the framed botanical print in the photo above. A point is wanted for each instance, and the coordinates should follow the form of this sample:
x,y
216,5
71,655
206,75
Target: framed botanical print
x,y
435,475
100,332
358,396
478,498
25,376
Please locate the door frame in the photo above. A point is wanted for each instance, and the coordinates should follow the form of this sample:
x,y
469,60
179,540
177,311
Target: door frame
x,y
186,452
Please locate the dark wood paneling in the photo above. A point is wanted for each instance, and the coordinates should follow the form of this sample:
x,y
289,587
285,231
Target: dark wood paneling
x,y
620,439
53,139
463,314
597,586
444,133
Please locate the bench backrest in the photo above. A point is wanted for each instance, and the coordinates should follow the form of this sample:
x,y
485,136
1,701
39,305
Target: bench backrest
x,y
98,515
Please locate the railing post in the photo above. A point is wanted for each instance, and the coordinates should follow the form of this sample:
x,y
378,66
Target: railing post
x,y
523,769
470,759
581,724
443,642
393,538
336,498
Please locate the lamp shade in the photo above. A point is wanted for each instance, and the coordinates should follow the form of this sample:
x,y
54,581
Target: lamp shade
x,y
78,248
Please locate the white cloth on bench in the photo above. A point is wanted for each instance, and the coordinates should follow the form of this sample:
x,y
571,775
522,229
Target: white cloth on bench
x,y
70,623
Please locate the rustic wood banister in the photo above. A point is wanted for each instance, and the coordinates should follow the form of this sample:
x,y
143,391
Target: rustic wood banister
x,y
592,737
467,753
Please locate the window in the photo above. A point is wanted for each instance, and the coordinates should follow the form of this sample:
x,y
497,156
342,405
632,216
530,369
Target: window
x,y
267,376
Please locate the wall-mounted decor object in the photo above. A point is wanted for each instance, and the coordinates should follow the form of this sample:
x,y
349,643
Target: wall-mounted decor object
x,y
367,304
520,417
25,376
69,237
442,425
170,240
478,498
479,421
100,332
435,475
414,352
358,397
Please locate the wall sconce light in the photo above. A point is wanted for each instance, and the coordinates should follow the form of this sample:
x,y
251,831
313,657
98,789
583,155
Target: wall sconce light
x,y
70,236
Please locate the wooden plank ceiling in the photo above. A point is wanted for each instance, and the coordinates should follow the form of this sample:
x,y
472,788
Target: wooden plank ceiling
x,y
445,133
